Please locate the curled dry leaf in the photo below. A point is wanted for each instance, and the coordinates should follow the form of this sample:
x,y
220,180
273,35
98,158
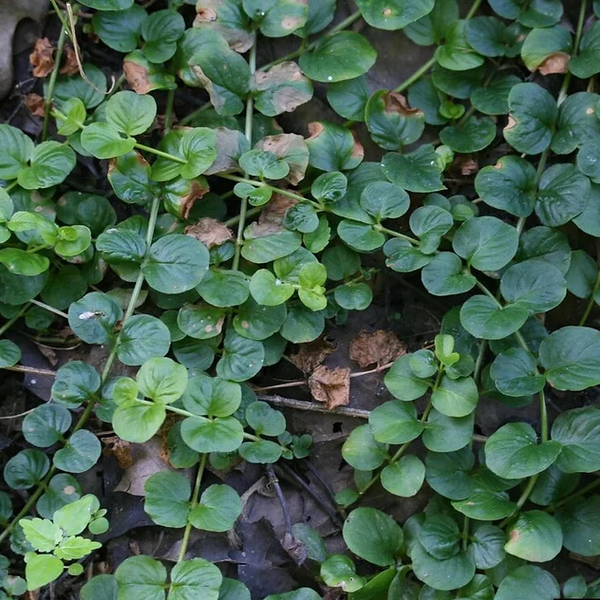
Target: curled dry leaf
x,y
34,104
555,63
120,449
210,232
231,144
213,14
395,102
292,149
331,386
378,347
42,58
270,221
197,191
70,64
312,354
465,165
137,77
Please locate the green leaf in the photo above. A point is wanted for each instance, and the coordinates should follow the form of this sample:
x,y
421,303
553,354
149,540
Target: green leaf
x,y
277,18
349,98
515,373
241,358
486,243
449,473
439,535
536,536
232,589
25,469
10,354
403,383
211,396
74,548
75,516
45,425
447,434
575,587
547,49
483,318
141,577
218,509
585,64
582,274
120,30
93,317
474,135
129,177
493,98
42,569
75,383
91,92
455,397
260,250
356,296
445,275
490,37
359,236
448,574
18,149
508,185
345,55
20,262
391,122
135,422
553,485
260,452
116,5
226,17
455,54
373,536
546,244
280,89
563,195
333,147
395,423
217,435
578,431
198,147
579,522
512,452
302,325
195,578
264,419
130,113
532,116
19,289
168,498
42,534
340,571
143,337
103,140
405,477
50,163
80,454
534,285
176,263
162,379
416,171
268,290
577,122
160,31
537,13
362,451
396,14
299,594
571,358
488,546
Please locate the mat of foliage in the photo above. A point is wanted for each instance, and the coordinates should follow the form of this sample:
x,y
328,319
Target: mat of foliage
x,y
154,207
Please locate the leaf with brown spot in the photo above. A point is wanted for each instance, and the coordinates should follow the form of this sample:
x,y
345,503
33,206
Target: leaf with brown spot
x,y
280,89
292,149
377,347
210,232
555,63
331,386
229,19
312,354
270,221
231,144
144,76
34,104
333,147
395,102
42,58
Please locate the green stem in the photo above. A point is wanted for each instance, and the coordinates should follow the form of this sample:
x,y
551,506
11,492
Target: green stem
x,y
581,492
249,213
194,502
591,301
543,416
473,9
189,118
172,157
248,132
465,533
54,75
396,234
169,110
562,94
308,47
51,309
14,319
416,75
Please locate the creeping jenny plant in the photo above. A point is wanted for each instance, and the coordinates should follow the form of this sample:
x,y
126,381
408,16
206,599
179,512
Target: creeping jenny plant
x,y
222,241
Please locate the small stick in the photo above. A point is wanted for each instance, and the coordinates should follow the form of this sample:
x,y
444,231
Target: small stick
x,y
314,407
273,481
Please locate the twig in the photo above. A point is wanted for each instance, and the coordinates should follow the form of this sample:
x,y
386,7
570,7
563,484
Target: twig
x,y
33,370
274,482
313,406
23,414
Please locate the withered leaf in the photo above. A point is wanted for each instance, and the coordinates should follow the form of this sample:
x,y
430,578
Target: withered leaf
x,y
120,449
34,104
292,149
379,347
70,65
42,57
555,63
210,232
312,354
395,102
231,144
137,77
216,14
331,386
270,221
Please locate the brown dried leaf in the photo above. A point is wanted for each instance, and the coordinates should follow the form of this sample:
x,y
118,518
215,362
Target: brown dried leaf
x,y
213,14
230,146
210,232
42,58
197,191
292,149
34,104
379,347
395,102
512,122
70,64
331,386
137,77
466,165
357,151
311,355
120,449
280,81
555,63
270,221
